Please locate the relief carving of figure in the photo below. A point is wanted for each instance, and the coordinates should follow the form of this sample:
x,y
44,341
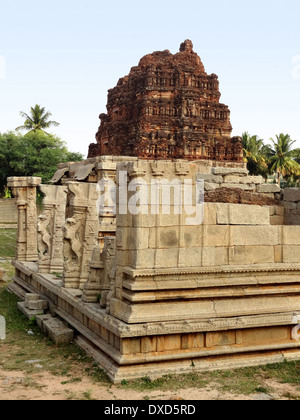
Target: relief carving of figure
x,y
44,237
71,234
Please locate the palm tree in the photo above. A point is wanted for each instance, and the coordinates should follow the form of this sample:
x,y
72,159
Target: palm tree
x,y
255,154
282,160
37,120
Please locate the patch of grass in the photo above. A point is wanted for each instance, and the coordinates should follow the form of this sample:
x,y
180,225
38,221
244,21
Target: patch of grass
x,y
168,383
19,347
8,243
72,381
285,373
88,395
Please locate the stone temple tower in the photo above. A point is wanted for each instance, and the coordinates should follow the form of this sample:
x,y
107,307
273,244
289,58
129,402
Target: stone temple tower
x,y
168,107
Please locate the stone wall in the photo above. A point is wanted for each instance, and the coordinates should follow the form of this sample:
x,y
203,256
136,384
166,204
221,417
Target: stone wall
x,y
213,286
292,206
8,213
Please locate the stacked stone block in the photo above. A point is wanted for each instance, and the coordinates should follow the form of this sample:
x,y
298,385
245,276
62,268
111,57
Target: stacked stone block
x,y
292,206
237,178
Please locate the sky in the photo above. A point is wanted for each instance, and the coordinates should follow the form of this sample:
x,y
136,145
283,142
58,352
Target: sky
x,y
66,54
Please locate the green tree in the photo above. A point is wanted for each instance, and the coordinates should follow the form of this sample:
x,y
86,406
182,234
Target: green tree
x,y
37,120
35,154
282,157
255,154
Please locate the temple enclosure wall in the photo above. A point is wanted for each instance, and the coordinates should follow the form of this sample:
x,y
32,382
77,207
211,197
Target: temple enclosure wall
x,y
154,290
8,213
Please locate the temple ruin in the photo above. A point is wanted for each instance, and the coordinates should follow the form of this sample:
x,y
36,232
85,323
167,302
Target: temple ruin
x,y
156,281
167,108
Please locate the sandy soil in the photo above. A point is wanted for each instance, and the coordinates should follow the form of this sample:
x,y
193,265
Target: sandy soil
x,y
45,386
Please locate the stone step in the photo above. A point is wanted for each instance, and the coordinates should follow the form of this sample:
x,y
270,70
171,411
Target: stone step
x,y
29,313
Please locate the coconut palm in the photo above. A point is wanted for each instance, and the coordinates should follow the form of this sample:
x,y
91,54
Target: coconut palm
x,y
282,159
255,154
37,120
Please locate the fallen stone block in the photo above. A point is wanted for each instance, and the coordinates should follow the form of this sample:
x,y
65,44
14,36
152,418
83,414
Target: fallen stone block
x,y
40,319
58,331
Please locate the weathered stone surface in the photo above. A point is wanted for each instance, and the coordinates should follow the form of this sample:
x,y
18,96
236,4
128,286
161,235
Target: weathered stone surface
x,y
292,194
230,171
255,235
238,196
268,188
8,213
291,235
57,331
244,187
229,214
211,187
210,178
50,229
24,190
39,305
29,313
167,107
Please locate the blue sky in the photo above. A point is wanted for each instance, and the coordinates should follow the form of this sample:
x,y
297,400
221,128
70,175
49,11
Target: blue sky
x,y
65,55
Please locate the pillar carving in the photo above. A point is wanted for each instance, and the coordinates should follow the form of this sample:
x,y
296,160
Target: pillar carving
x,y
24,190
50,229
80,233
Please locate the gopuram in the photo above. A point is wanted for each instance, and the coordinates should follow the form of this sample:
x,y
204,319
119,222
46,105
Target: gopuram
x,y
159,254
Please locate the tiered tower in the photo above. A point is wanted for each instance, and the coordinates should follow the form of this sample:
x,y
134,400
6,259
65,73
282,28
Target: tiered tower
x,y
168,107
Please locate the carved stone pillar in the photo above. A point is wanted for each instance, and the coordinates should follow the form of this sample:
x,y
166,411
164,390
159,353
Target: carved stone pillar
x,y
50,229
101,265
24,190
80,233
92,289
106,175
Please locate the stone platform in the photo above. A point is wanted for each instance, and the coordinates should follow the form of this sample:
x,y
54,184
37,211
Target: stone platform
x,y
244,330
156,294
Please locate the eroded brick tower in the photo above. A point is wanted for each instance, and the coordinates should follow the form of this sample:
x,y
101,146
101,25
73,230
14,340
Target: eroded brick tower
x,y
168,107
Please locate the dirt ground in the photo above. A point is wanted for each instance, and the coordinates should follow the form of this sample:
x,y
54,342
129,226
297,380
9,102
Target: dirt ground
x,y
17,385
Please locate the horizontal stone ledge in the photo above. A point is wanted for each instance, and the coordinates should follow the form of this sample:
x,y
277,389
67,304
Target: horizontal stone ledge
x,y
230,171
214,292
251,268
204,309
204,352
23,182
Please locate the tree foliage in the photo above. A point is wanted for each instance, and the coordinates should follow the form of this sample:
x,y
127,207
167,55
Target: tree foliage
x,y
35,154
278,159
256,155
282,157
37,119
